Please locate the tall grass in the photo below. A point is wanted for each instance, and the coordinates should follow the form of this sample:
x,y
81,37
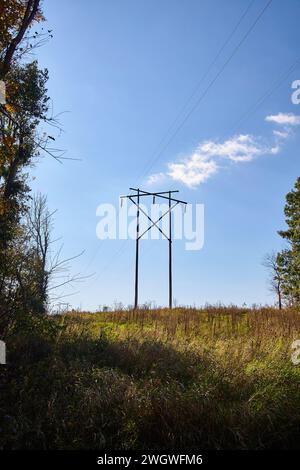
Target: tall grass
x,y
208,378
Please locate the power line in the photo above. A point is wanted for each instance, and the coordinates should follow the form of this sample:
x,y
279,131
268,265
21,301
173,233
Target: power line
x,y
265,95
94,254
211,83
198,101
212,63
242,119
173,202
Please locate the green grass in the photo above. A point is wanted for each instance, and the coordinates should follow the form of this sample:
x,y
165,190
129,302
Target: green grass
x,y
215,378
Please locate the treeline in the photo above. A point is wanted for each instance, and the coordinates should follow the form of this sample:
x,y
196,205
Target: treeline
x,y
284,266
28,261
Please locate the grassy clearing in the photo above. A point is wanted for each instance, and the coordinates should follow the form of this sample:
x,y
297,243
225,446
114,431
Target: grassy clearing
x,y
212,378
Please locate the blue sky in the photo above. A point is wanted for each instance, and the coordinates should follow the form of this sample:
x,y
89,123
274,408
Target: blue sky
x,y
122,70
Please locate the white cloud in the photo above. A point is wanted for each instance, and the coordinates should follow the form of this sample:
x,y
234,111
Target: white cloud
x,y
193,171
156,178
282,134
274,150
203,163
240,148
288,119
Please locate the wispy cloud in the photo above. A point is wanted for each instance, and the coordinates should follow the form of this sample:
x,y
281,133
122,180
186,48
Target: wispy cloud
x,y
157,178
239,148
204,162
193,171
282,134
289,119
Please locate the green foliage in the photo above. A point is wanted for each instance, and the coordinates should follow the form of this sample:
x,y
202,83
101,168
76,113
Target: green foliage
x,y
26,106
292,213
20,281
212,378
16,19
289,259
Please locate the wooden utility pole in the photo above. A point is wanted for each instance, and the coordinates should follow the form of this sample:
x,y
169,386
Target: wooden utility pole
x,y
136,288
170,252
135,199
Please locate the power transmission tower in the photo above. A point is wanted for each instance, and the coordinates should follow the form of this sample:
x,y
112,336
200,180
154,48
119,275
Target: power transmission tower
x,y
135,199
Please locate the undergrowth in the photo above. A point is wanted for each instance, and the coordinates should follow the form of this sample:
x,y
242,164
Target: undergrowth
x,y
214,378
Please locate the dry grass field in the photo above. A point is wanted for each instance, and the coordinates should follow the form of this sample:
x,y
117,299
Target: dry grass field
x,y
214,378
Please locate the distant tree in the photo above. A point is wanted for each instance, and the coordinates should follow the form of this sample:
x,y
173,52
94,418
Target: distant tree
x,y
50,271
289,258
39,228
292,213
271,262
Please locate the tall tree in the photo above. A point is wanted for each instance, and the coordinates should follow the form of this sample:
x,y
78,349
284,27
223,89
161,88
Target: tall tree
x,y
20,142
16,19
276,275
27,105
289,259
